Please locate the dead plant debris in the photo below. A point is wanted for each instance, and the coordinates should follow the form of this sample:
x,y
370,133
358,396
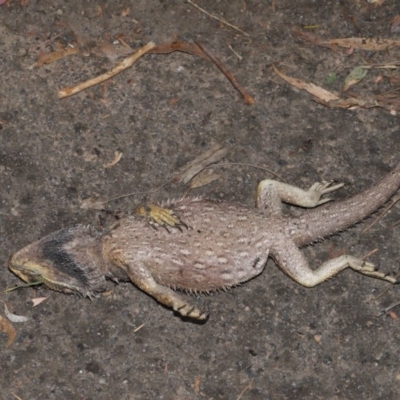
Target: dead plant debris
x,y
85,47
388,101
124,64
188,171
7,328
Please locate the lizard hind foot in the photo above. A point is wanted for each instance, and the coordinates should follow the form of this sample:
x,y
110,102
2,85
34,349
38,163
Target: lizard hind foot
x,y
318,189
369,269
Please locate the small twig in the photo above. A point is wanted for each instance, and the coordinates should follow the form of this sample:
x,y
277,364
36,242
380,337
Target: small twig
x,y
246,96
385,310
138,328
245,389
136,193
236,53
222,20
388,65
124,64
369,254
394,201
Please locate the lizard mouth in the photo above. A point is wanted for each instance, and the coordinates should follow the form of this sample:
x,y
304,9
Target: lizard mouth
x,y
36,274
33,279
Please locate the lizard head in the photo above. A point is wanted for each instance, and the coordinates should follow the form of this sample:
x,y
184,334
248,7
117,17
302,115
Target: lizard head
x,y
68,261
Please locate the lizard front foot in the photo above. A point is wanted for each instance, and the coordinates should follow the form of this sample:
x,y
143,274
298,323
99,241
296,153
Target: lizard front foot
x,y
187,310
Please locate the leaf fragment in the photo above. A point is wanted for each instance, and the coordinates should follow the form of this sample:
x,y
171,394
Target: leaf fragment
x,y
203,178
117,158
393,315
356,75
188,171
311,88
7,328
36,301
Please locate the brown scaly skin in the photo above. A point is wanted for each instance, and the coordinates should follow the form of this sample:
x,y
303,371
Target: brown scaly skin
x,y
219,245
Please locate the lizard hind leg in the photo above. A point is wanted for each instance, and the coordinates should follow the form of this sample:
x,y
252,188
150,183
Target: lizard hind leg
x,y
271,194
293,262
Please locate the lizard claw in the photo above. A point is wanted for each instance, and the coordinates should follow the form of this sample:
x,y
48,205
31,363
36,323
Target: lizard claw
x,y
318,189
187,310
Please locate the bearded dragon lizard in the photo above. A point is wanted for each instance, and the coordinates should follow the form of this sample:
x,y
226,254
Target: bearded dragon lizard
x,y
218,245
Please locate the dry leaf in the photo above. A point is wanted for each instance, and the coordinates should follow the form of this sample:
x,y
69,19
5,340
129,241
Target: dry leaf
x,y
38,300
365,44
203,179
12,317
6,327
393,315
117,158
317,91
48,58
179,45
188,171
356,75
333,101
126,12
92,203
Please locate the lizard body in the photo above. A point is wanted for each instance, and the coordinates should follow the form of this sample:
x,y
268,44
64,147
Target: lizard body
x,y
220,245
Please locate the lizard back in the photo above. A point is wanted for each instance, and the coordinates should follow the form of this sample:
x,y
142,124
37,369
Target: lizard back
x,y
225,244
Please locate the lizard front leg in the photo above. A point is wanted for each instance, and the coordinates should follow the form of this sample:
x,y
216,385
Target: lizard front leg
x,y
271,194
142,278
292,261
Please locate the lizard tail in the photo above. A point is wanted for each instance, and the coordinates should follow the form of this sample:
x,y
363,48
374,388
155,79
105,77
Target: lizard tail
x,y
335,217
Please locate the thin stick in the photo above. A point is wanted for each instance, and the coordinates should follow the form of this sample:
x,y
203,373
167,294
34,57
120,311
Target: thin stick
x,y
369,254
236,53
248,99
245,389
223,21
138,328
394,201
124,64
385,310
136,193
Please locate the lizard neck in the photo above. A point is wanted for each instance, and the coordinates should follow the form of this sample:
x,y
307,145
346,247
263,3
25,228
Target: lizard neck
x,y
335,217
